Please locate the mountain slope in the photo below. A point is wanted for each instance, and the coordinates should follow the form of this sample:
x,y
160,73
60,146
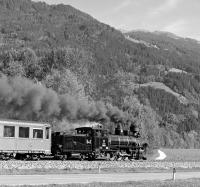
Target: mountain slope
x,y
71,53
181,50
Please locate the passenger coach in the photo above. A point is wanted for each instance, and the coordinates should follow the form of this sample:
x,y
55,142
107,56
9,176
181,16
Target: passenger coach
x,y
24,140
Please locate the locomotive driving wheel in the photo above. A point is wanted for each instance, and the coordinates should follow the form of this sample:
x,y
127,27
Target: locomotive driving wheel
x,y
91,156
113,157
64,157
108,156
82,157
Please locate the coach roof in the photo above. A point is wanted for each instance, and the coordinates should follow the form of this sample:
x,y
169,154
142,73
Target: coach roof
x,y
20,122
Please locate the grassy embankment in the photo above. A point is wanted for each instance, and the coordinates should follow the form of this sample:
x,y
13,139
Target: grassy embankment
x,y
168,183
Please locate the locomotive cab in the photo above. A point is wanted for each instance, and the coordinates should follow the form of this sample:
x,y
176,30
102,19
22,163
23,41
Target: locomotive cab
x,y
65,145
98,136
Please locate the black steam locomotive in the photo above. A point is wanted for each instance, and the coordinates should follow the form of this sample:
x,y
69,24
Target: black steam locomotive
x,y
95,142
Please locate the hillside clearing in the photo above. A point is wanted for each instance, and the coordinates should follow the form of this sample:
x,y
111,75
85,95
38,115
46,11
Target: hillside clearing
x,y
159,85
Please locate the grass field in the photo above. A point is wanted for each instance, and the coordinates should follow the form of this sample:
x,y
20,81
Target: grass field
x,y
182,154
113,170
178,183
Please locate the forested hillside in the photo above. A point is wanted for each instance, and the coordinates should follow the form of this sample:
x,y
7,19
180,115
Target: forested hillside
x,y
61,65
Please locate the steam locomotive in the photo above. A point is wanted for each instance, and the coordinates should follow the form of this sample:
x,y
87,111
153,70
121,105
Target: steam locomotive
x,y
95,142
32,140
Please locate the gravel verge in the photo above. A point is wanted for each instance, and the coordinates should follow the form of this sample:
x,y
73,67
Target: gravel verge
x,y
90,165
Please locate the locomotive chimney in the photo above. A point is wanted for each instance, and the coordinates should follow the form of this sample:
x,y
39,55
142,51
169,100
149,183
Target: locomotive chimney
x,y
126,128
119,129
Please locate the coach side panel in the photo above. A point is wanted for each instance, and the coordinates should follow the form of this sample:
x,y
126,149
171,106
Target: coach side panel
x,y
35,140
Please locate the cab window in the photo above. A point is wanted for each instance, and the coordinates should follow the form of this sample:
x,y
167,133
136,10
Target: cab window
x,y
24,132
47,132
9,131
38,133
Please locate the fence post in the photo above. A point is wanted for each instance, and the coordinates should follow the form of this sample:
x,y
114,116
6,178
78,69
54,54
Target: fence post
x,y
174,174
99,168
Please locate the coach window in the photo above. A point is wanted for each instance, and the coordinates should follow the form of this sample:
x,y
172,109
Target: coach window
x,y
9,131
24,132
38,133
47,133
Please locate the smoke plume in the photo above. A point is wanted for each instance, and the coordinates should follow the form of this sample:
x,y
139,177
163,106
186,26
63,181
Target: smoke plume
x,y
20,98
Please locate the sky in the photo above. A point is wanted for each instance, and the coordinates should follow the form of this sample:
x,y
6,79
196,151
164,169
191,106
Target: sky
x,y
181,17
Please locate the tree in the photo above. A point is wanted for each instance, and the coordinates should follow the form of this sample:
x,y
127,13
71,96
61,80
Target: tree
x,y
65,82
30,63
14,69
146,119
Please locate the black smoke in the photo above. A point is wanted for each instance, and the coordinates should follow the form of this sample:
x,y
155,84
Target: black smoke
x,y
21,98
